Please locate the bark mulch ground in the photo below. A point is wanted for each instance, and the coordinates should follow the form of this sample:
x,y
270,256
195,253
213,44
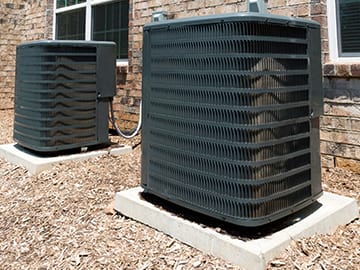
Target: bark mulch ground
x,y
60,219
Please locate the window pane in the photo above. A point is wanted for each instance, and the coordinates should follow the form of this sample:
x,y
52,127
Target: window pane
x,y
110,23
349,11
66,3
71,24
123,47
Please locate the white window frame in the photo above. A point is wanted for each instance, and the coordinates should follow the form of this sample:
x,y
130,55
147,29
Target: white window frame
x,y
88,5
334,37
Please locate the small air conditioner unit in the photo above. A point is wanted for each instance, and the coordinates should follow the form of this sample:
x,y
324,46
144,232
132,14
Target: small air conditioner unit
x,y
231,107
62,94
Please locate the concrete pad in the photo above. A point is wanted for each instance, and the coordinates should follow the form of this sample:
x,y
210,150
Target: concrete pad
x,y
125,149
331,211
35,164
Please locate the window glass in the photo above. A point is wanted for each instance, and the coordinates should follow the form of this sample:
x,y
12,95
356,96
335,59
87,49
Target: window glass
x,y
67,3
110,23
71,25
349,26
107,21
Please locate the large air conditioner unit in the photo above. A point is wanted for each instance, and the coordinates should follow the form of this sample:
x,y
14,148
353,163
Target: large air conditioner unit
x,y
62,94
231,107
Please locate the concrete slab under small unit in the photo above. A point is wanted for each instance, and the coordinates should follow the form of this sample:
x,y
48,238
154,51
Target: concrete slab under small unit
x,y
254,254
35,164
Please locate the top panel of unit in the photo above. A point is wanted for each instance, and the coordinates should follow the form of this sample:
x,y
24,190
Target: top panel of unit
x,y
73,43
233,17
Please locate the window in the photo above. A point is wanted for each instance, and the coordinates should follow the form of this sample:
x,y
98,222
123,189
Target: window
x,y
94,20
71,24
344,30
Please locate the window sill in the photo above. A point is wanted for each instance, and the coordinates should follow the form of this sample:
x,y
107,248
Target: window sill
x,y
344,70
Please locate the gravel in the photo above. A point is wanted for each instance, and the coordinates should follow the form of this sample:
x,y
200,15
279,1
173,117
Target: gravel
x,y
62,219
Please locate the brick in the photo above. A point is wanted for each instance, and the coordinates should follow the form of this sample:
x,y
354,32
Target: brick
x,y
179,10
232,2
318,8
154,3
341,150
324,45
135,93
213,3
327,161
276,3
343,70
303,10
329,70
324,32
16,27
343,137
126,125
195,5
284,11
350,110
349,164
323,147
355,70
141,5
296,2
242,7
220,10
322,19
325,57
338,123
129,115
355,124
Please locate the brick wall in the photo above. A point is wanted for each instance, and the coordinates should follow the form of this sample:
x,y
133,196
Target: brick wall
x,y
12,26
38,22
19,21
340,125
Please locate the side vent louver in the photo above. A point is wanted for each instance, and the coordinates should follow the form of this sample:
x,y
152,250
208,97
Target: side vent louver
x,y
231,105
62,94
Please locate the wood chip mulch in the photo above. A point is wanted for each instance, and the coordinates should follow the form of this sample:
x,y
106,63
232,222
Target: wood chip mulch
x,y
62,219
